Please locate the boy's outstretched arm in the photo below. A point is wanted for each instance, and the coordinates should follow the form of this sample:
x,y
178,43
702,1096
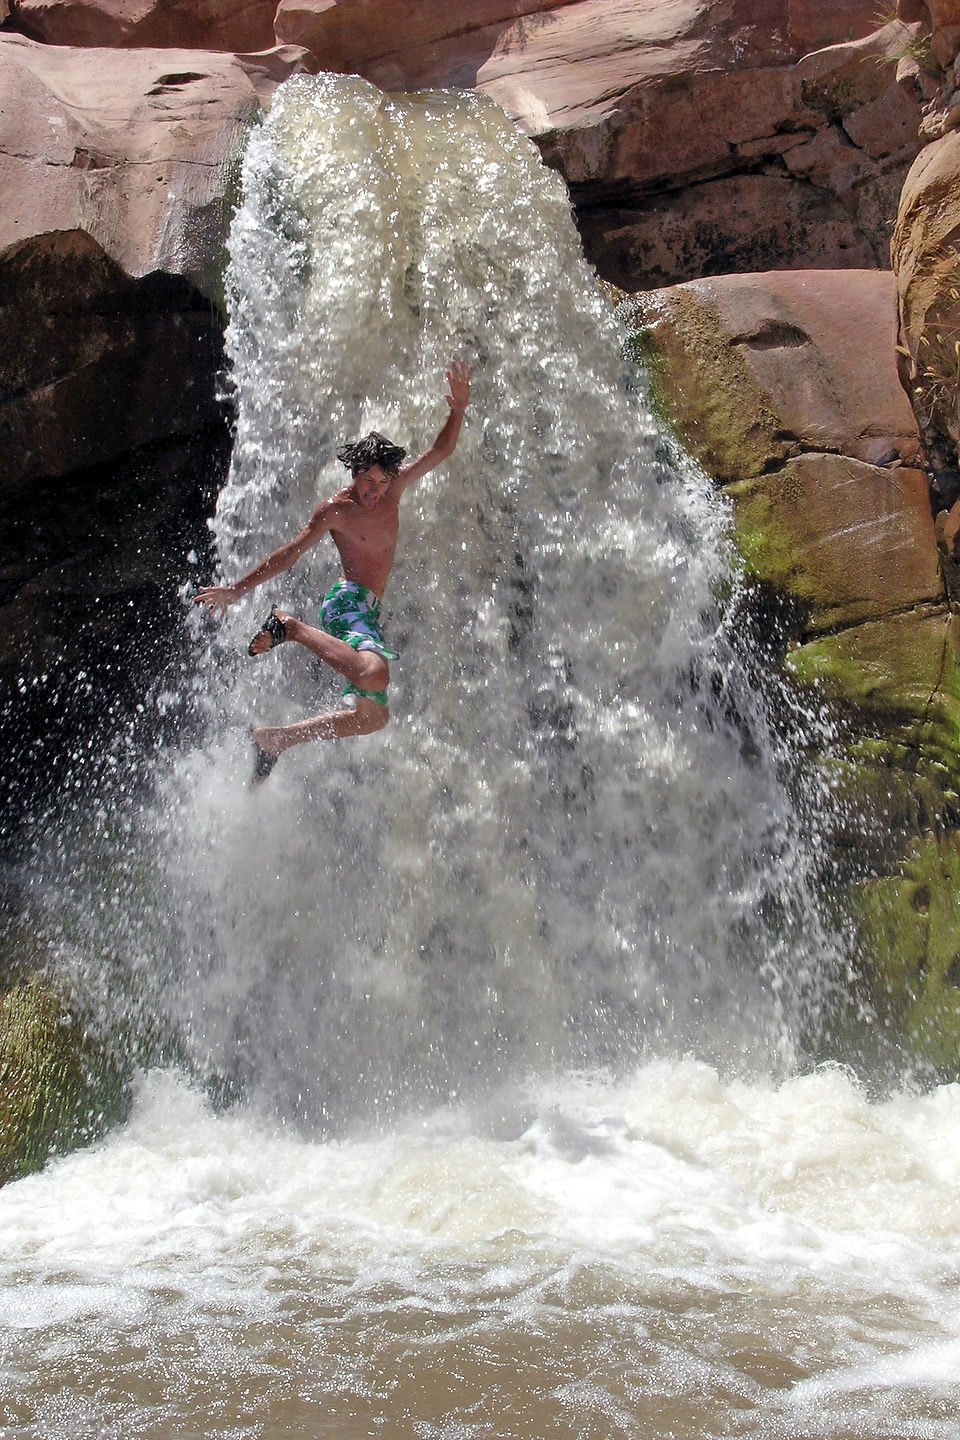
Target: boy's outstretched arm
x,y
218,598
458,397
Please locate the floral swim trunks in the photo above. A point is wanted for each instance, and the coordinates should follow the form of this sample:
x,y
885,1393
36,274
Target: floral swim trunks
x,y
351,613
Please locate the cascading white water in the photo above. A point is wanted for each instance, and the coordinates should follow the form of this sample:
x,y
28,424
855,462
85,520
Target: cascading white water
x,y
466,954
560,850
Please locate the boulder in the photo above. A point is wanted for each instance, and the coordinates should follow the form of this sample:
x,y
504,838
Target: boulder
x,y
900,675
60,1083
237,25
400,43
755,369
406,35
785,389
789,159
909,925
941,21
926,259
850,542
134,150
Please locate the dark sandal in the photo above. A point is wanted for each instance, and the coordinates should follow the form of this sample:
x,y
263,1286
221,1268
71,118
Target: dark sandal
x,y
273,627
263,763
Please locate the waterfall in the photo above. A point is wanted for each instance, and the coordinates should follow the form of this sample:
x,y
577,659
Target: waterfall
x,y
573,846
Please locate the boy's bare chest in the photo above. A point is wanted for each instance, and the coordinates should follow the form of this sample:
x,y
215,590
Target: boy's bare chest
x,y
373,530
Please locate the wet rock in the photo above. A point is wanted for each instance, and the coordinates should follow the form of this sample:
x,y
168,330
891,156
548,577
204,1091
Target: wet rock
x,y
60,1084
909,924
850,542
900,674
785,388
755,369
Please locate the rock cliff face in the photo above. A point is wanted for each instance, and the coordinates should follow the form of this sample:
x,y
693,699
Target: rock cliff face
x,y
115,176
763,377
926,259
697,137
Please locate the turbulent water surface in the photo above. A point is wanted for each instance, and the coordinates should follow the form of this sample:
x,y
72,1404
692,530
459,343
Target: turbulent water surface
x,y
513,999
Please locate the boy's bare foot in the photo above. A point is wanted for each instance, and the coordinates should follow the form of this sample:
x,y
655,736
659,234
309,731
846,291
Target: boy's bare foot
x,y
272,632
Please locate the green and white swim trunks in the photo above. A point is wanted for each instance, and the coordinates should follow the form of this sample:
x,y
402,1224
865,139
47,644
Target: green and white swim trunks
x,y
351,613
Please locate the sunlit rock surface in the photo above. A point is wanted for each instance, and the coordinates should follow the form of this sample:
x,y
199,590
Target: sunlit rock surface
x,y
696,138
925,259
785,387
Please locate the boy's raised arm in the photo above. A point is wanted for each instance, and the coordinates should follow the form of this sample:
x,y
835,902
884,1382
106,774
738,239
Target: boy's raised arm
x,y
457,397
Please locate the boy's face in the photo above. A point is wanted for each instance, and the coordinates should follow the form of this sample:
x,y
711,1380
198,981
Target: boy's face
x,y
371,485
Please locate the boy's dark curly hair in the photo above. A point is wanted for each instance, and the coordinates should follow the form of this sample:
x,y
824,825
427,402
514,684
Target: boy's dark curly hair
x,y
373,449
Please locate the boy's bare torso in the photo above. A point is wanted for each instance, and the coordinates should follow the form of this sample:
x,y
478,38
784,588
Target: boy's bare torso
x,y
365,536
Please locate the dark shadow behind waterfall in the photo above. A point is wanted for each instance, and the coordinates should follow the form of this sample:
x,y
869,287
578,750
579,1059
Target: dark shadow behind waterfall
x,y
575,845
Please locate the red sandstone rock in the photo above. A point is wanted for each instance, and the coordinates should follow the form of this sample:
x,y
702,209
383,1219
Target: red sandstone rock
x,y
941,19
629,99
130,150
632,99
853,542
759,368
237,25
427,41
784,387
926,258
821,148
114,173
351,34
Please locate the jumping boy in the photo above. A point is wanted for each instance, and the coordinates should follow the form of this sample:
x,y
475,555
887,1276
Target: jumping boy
x,y
363,522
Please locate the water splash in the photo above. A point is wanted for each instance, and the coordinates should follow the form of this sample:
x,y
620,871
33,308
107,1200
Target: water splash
x,y
573,846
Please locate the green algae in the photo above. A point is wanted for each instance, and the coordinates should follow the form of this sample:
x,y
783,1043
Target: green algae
x,y
909,925
61,1083
901,676
702,386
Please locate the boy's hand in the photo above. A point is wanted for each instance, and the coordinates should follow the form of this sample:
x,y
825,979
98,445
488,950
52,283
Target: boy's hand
x,y
217,598
458,385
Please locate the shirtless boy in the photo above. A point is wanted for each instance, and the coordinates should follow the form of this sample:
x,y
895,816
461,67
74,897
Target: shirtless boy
x,y
363,522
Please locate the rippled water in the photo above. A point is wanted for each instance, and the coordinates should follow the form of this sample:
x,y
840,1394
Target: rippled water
x,y
512,1001
666,1255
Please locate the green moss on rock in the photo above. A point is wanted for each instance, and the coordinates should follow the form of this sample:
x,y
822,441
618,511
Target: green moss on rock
x,y
902,675
702,386
60,1084
848,541
910,933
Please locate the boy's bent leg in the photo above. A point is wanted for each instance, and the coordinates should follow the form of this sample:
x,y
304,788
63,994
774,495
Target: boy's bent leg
x,y
363,668
338,724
